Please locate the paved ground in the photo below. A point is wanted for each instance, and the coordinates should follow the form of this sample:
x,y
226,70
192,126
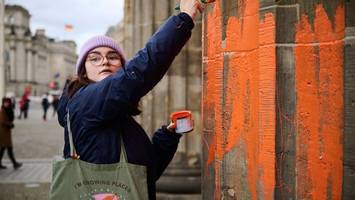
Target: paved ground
x,y
35,142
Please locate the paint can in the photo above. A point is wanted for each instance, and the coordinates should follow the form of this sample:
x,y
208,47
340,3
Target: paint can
x,y
182,121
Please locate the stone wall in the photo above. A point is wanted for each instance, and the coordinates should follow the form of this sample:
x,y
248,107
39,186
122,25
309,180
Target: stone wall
x,y
276,86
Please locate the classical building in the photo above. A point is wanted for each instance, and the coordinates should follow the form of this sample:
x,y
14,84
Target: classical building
x,y
33,60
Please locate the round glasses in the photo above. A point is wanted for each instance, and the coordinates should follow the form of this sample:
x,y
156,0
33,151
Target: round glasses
x,y
98,59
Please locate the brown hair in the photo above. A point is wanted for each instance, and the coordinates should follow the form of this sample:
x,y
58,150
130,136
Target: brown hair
x,y
78,81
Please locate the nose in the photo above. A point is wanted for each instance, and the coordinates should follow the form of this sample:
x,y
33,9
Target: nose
x,y
104,61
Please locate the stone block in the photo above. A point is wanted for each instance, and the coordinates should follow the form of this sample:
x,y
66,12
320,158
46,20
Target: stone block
x,y
286,20
349,137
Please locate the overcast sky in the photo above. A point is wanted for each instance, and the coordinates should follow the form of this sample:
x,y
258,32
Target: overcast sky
x,y
88,17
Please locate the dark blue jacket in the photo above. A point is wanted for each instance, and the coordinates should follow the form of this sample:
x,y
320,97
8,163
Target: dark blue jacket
x,y
101,112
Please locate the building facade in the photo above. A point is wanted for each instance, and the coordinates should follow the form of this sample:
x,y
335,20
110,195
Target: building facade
x,y
2,68
33,60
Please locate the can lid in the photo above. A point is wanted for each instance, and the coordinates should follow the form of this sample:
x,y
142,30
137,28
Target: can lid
x,y
180,114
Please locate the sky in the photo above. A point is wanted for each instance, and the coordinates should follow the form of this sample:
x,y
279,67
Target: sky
x,y
88,17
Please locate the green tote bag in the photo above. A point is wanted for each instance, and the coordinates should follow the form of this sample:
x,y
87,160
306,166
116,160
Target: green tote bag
x,y
76,179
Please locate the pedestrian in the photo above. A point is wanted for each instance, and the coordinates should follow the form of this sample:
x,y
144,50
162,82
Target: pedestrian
x,y
45,105
24,105
6,124
55,104
96,111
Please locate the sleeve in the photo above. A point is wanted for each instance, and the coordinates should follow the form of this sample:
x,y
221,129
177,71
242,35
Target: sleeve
x,y
121,92
165,145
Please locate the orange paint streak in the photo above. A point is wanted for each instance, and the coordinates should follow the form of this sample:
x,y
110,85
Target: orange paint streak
x,y
243,72
319,86
267,90
250,45
214,87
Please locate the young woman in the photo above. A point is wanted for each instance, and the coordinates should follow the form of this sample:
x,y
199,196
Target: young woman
x,y
102,99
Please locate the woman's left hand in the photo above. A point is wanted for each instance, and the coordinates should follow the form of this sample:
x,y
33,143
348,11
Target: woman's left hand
x,y
171,127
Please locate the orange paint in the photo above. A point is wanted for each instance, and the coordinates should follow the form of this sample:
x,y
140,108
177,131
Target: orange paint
x,y
319,86
249,95
267,106
213,84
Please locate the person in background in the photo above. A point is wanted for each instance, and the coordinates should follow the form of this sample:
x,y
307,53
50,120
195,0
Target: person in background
x,y
24,105
45,105
6,124
55,104
100,102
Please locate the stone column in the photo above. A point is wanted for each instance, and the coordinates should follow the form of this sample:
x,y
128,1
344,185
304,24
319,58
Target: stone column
x,y
21,66
178,90
273,100
2,41
349,136
193,89
128,28
29,75
35,63
160,97
182,178
146,27
13,69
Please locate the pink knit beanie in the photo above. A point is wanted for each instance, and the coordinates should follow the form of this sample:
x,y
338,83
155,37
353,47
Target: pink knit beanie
x,y
94,42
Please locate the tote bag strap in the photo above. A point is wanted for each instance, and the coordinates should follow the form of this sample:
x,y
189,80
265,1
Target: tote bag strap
x,y
72,152
123,154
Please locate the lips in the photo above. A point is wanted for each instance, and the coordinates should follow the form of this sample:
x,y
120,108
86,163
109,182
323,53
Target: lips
x,y
105,71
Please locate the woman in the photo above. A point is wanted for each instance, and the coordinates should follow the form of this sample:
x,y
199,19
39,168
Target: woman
x,y
103,98
6,124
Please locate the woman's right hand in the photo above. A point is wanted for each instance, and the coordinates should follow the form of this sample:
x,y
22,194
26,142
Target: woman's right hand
x,y
191,7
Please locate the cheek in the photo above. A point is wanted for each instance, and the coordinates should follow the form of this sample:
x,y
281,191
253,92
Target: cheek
x,y
92,72
115,69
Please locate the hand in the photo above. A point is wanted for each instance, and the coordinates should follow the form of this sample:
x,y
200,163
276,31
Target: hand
x,y
171,127
191,7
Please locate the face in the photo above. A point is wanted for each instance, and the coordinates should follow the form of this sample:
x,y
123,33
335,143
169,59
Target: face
x,y
102,62
7,104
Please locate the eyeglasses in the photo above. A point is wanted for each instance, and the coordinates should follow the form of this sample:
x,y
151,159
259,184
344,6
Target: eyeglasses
x,y
98,59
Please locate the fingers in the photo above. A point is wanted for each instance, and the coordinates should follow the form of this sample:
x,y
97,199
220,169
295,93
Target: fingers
x,y
171,126
200,7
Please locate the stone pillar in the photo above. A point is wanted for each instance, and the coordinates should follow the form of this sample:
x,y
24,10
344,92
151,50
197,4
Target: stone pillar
x,y
35,63
146,28
21,66
349,136
179,90
2,42
160,101
29,74
13,68
183,88
193,89
128,28
273,100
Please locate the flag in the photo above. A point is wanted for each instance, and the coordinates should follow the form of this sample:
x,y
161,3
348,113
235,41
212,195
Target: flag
x,y
68,27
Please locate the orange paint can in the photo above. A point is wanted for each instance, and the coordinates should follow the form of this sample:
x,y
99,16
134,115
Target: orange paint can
x,y
182,121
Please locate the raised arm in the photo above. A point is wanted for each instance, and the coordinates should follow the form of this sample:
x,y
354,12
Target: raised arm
x,y
151,63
